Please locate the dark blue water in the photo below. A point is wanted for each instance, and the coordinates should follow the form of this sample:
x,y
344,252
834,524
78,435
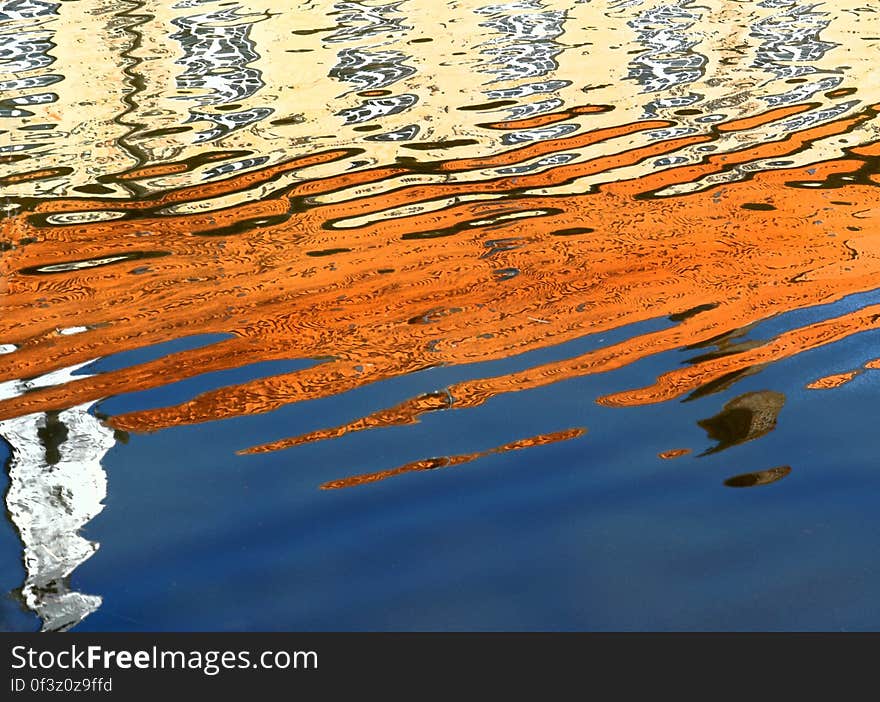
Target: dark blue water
x,y
592,533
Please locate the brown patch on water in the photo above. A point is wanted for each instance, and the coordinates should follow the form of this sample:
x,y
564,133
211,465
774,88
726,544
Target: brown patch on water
x,y
673,453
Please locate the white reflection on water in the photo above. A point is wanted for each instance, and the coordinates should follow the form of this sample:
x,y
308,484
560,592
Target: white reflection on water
x,y
56,486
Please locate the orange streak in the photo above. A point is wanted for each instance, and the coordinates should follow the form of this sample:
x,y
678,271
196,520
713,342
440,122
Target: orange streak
x,y
449,461
471,281
830,382
746,123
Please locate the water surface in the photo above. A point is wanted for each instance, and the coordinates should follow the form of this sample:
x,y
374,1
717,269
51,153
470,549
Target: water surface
x,y
352,315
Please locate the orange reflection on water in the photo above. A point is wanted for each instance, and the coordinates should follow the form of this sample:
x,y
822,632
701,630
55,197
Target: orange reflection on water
x,y
449,461
327,268
829,382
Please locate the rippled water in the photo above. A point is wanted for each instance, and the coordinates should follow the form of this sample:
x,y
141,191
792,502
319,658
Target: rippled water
x,y
352,315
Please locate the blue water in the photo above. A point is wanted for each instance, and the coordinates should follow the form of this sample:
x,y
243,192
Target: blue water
x,y
592,533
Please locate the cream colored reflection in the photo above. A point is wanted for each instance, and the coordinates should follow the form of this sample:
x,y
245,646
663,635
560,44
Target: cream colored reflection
x,y
154,81
56,486
74,127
